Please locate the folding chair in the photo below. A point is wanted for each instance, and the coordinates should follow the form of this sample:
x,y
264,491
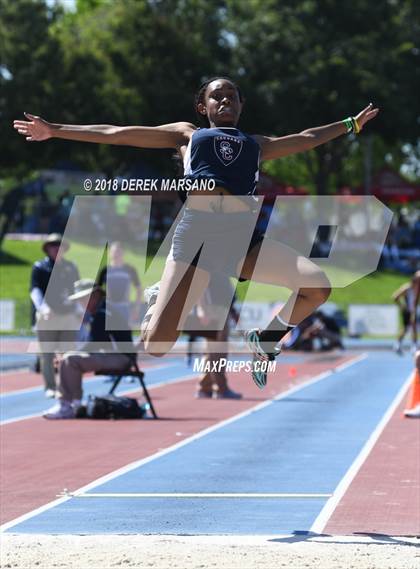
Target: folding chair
x,y
133,371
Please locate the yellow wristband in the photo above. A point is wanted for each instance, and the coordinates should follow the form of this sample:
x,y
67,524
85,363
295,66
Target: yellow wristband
x,y
356,125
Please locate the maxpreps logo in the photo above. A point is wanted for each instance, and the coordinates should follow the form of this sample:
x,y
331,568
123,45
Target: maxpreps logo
x,y
227,149
201,365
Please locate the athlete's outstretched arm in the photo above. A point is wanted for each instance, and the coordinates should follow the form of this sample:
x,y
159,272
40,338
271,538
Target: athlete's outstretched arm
x,y
272,147
171,135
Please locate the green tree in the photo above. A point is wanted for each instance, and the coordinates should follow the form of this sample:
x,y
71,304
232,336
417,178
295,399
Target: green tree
x,y
112,61
301,63
311,62
30,61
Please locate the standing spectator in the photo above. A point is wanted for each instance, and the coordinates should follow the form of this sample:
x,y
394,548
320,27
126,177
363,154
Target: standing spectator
x,y
407,298
122,207
214,325
118,277
53,313
416,233
390,252
61,212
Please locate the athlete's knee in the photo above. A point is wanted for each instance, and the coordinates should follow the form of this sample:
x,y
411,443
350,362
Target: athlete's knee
x,y
322,294
320,290
150,344
156,344
315,295
153,351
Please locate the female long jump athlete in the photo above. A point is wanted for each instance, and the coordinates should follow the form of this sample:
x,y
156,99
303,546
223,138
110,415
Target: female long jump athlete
x,y
219,103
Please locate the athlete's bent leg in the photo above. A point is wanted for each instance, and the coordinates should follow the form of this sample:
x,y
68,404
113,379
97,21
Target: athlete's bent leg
x,y
282,266
180,288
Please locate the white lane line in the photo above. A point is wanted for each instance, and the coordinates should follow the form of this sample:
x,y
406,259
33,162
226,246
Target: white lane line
x,y
141,462
123,392
345,365
195,495
327,511
15,371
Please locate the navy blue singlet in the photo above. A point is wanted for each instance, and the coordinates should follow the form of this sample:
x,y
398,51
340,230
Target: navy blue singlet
x,y
225,155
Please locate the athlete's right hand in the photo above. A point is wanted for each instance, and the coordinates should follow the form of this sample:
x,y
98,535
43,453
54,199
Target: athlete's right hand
x,y
34,129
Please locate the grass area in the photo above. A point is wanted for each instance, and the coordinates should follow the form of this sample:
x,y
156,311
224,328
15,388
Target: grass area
x,y
376,288
17,257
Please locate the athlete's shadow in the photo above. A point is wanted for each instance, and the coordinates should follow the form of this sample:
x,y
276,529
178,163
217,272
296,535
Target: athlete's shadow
x,y
379,539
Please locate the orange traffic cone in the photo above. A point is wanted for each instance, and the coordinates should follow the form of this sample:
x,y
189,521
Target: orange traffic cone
x,y
413,402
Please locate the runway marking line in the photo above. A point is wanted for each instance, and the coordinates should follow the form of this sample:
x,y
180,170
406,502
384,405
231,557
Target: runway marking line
x,y
195,495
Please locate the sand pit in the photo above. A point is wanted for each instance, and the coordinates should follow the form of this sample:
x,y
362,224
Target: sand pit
x,y
202,552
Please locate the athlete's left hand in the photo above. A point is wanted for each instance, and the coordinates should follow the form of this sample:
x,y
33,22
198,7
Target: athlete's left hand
x,y
366,115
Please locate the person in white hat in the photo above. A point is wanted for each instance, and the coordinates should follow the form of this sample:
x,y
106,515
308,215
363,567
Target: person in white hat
x,y
54,314
105,349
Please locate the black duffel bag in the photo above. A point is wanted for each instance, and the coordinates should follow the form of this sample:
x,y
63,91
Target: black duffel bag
x,y
113,407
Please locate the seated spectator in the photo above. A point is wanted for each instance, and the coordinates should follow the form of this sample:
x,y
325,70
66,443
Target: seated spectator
x,y
316,329
104,350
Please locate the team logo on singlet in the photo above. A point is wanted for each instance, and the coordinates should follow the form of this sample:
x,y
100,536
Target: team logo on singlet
x,y
227,148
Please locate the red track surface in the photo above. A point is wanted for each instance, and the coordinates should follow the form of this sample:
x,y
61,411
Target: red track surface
x,y
15,380
40,458
384,497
